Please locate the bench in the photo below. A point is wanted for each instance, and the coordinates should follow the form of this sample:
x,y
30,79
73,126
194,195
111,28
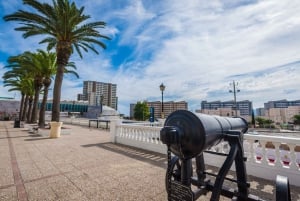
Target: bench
x,y
99,120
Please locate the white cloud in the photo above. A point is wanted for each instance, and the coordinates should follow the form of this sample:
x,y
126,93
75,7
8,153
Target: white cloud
x,y
195,47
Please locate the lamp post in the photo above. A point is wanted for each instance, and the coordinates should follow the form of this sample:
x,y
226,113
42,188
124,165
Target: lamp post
x,y
162,88
101,102
234,91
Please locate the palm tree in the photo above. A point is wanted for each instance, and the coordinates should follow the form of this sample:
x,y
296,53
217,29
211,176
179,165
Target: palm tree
x,y
15,79
19,80
47,68
66,29
31,63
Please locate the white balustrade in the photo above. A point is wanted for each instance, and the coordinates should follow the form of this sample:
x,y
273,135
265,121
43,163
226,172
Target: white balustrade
x,y
267,156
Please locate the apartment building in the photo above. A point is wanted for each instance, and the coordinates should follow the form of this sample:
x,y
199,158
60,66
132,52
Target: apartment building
x,y
282,111
227,108
169,107
97,93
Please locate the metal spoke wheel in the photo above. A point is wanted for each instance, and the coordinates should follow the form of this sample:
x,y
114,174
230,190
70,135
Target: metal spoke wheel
x,y
175,168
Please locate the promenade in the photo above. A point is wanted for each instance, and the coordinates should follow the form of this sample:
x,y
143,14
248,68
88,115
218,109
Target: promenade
x,y
84,165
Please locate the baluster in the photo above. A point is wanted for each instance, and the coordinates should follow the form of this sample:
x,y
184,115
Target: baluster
x,y
277,155
152,136
128,131
120,131
134,134
264,159
137,133
156,137
293,164
249,153
149,137
257,152
285,155
143,136
270,153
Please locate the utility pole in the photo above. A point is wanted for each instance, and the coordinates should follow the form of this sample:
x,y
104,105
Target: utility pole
x,y
234,91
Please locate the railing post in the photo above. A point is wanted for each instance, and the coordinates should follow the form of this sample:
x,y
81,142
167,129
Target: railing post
x,y
114,130
293,164
277,155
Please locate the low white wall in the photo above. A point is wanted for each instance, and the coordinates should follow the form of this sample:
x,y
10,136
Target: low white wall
x,y
261,161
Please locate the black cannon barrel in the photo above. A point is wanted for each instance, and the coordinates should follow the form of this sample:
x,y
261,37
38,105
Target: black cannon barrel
x,y
189,134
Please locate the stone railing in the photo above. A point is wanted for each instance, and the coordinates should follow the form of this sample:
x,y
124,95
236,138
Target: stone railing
x,y
267,156
140,136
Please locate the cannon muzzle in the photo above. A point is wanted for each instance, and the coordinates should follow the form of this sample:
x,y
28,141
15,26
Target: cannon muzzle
x,y
189,134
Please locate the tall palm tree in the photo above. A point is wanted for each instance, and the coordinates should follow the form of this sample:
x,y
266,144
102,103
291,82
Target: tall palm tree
x,y
19,80
47,68
16,79
66,29
31,64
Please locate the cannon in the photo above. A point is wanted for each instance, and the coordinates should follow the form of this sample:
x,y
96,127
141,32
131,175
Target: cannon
x,y
187,136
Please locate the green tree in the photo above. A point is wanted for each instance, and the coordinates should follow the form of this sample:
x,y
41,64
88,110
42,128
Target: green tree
x,y
19,79
41,67
253,118
260,121
264,122
296,119
47,66
141,111
66,30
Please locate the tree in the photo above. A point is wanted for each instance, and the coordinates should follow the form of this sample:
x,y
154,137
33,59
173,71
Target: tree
x,y
260,121
19,79
264,122
296,119
40,66
65,29
253,118
141,111
47,65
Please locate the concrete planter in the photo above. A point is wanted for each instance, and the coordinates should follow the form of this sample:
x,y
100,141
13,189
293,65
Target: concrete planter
x,y
55,129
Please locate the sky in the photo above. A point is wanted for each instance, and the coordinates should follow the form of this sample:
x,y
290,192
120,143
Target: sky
x,y
197,48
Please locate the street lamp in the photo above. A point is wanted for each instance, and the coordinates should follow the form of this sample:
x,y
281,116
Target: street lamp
x,y
101,102
234,91
162,88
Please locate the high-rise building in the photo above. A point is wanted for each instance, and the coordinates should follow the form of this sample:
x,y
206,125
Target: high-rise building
x,y
244,107
227,108
169,107
97,93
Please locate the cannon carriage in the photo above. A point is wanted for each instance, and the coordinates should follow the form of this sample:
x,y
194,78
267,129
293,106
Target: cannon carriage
x,y
188,136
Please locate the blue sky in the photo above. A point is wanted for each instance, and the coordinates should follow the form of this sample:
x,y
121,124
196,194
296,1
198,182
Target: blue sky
x,y
195,47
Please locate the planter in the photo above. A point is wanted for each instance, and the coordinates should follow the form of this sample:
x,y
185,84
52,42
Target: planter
x,y
55,129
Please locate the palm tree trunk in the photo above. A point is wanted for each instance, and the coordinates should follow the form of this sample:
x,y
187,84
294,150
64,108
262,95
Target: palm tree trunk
x,y
24,111
43,108
29,109
57,93
21,105
35,103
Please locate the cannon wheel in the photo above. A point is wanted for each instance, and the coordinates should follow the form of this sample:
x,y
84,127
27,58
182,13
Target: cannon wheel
x,y
175,168
282,189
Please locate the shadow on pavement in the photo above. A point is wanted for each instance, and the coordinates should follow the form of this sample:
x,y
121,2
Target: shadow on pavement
x,y
152,158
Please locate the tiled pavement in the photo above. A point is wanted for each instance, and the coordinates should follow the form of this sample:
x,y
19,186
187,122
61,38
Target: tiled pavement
x,y
84,165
